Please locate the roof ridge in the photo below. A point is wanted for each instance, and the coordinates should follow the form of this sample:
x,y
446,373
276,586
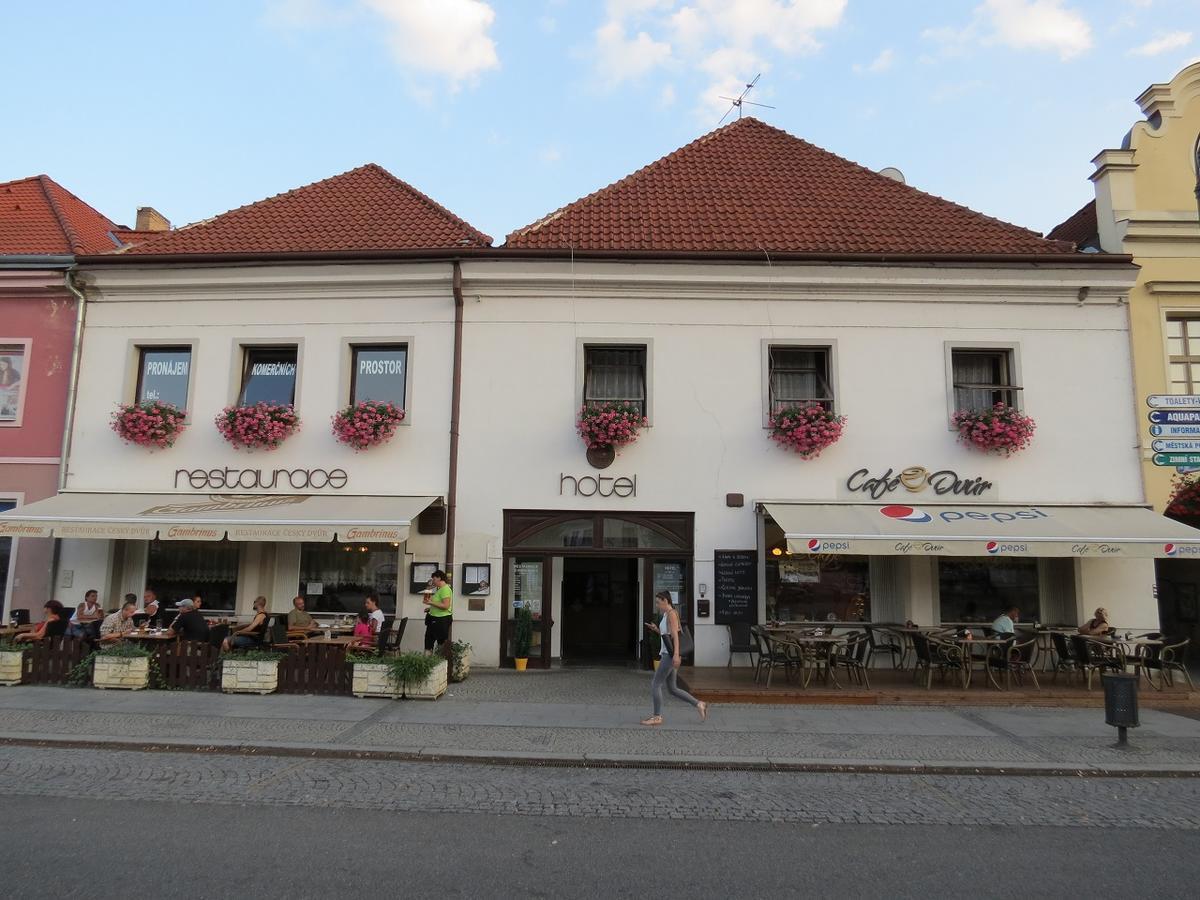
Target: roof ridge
x,y
486,239
73,239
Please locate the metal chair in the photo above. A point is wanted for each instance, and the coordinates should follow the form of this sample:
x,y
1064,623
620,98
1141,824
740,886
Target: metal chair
x,y
853,656
1164,660
741,641
890,647
1064,656
1092,656
776,653
1015,659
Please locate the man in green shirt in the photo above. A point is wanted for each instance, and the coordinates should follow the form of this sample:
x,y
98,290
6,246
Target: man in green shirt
x,y
297,617
439,611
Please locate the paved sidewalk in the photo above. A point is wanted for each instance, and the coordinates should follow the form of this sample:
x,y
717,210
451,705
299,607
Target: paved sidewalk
x,y
590,717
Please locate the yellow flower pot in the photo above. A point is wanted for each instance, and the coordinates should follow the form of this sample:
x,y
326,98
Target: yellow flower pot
x,y
520,664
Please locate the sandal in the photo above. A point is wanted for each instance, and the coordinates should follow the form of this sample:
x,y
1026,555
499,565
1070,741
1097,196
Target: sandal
x,y
653,720
702,708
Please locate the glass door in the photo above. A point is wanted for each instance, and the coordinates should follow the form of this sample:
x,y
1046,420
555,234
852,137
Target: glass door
x,y
673,575
527,589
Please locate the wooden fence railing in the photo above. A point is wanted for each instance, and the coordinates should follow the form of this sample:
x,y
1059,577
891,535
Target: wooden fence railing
x,y
188,664
50,661
315,669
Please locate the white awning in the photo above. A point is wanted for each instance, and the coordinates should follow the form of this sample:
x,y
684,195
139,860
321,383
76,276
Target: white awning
x,y
212,517
1110,532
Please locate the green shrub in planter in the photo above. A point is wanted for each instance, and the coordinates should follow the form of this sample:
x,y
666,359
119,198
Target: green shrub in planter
x,y
82,673
460,661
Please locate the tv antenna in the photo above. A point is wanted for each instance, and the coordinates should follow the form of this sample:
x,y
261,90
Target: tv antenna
x,y
740,100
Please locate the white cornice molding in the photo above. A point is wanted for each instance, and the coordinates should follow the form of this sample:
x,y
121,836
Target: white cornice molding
x,y
1173,287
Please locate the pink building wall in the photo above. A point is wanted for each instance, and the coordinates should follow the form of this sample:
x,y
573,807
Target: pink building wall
x,y
35,307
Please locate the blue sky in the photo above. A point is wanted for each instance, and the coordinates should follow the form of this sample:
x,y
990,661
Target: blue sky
x,y
507,109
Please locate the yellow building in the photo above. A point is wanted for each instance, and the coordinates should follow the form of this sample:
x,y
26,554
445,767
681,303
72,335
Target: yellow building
x,y
1148,205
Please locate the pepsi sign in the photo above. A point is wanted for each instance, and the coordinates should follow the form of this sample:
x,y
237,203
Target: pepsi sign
x,y
919,516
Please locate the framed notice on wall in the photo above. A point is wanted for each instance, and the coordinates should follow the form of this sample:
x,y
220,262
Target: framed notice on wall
x,y
422,576
735,586
477,579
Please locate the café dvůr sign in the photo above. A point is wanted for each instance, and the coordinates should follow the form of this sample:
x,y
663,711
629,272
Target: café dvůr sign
x,y
915,479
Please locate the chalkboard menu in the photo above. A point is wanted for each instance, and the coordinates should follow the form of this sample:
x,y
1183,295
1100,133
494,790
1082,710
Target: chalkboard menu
x,y
735,586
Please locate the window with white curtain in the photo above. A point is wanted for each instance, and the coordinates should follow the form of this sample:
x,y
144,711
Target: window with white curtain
x,y
615,374
983,378
799,377
1183,349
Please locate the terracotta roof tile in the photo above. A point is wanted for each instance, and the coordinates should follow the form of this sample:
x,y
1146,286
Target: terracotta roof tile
x,y
749,187
365,209
38,216
1081,229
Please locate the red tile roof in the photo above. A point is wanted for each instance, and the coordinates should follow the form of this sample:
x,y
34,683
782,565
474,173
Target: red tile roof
x,y
40,217
365,209
1081,229
749,187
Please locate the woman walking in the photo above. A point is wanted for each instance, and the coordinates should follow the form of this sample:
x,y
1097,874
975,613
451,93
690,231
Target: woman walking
x,y
668,629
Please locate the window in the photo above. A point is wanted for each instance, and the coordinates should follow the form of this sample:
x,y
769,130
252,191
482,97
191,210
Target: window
x,y
12,380
177,570
1183,354
163,374
338,577
819,587
615,375
978,590
379,372
983,378
269,375
799,376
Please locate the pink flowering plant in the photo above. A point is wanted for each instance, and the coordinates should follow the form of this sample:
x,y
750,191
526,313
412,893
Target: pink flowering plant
x,y
806,430
1001,429
367,424
609,424
149,423
263,426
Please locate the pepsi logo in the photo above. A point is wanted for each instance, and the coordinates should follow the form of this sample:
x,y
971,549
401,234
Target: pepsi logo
x,y
814,545
992,547
1170,549
906,513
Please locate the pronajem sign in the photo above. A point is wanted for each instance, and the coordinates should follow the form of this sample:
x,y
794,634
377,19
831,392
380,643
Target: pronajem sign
x,y
259,479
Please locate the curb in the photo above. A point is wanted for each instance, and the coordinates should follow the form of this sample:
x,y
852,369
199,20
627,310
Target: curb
x,y
611,761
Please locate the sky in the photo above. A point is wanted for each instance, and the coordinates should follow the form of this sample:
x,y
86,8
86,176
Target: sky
x,y
504,110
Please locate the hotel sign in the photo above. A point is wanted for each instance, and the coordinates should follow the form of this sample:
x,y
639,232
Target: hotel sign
x,y
914,480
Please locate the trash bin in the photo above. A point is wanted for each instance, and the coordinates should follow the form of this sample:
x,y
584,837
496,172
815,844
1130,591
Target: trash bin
x,y
1120,702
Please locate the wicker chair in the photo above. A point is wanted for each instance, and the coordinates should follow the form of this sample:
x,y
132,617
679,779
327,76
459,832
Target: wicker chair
x,y
774,653
891,646
1092,656
1015,659
1164,660
854,657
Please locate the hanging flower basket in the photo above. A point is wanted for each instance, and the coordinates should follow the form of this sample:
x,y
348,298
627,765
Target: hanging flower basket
x,y
1185,497
263,426
1001,429
367,424
149,424
609,425
806,430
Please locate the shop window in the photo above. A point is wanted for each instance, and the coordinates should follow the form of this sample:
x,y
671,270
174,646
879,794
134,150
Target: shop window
x,y
13,359
818,587
982,378
571,533
379,372
615,374
268,375
978,590
1183,354
799,377
337,577
177,570
163,375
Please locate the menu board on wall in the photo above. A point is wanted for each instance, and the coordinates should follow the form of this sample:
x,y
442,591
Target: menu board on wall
x,y
735,586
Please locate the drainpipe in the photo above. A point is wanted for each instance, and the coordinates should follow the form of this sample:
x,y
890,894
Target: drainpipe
x,y
73,383
455,405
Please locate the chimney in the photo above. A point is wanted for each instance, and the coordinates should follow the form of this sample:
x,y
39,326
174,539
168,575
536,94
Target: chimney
x,y
150,219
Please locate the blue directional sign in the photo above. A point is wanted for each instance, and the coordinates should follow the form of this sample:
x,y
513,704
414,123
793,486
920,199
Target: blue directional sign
x,y
1177,459
1175,416
1175,446
1176,431
1173,401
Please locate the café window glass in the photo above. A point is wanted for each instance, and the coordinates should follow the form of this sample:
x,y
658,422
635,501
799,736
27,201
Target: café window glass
x,y
268,375
336,578
615,375
978,590
12,380
799,377
814,587
179,570
983,378
380,372
163,375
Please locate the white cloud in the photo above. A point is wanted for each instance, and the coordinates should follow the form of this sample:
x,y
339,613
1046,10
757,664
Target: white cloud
x,y
1171,41
448,39
880,63
666,97
1045,25
729,41
550,154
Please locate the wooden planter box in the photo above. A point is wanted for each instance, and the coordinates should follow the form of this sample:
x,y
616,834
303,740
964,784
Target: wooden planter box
x,y
245,676
371,680
123,673
434,686
461,668
12,663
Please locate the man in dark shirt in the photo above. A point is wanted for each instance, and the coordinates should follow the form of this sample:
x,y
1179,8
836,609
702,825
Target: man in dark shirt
x,y
189,624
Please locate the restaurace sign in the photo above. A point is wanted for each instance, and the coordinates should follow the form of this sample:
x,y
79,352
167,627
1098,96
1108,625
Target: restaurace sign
x,y
915,479
252,479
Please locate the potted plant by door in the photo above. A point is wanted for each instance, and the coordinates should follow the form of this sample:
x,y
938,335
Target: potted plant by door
x,y
12,659
522,636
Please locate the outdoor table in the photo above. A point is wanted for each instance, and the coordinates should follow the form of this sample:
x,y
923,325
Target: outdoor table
x,y
333,641
140,635
823,643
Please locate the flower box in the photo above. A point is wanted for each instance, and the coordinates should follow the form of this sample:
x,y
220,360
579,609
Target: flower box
x,y
122,673
606,426
433,686
1001,429
807,430
149,424
375,680
263,426
249,676
367,424
12,663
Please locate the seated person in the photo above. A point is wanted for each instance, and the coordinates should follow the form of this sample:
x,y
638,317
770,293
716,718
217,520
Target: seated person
x,y
116,625
189,624
1005,624
298,619
1097,625
86,619
364,631
53,625
150,607
249,636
